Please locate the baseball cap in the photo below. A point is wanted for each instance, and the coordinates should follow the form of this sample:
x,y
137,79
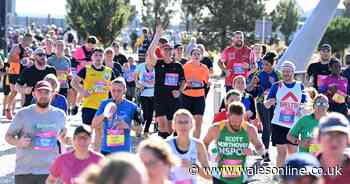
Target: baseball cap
x,y
43,85
82,129
326,47
288,64
334,122
298,165
177,45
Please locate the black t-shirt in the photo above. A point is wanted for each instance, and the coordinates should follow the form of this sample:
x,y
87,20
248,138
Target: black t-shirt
x,y
82,72
316,69
183,61
207,62
168,77
120,58
117,69
30,76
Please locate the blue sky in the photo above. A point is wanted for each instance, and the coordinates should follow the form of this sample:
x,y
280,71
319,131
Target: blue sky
x,y
57,7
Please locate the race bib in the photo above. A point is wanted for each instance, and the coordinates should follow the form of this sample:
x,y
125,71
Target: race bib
x,y
238,69
45,141
189,181
14,68
74,71
62,77
148,78
287,117
171,79
232,168
195,84
314,148
115,137
100,87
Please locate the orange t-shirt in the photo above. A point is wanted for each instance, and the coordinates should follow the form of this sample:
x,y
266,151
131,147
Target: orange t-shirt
x,y
196,76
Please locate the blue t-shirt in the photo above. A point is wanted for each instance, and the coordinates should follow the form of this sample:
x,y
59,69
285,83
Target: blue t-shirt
x,y
118,140
129,74
267,79
60,102
274,89
147,79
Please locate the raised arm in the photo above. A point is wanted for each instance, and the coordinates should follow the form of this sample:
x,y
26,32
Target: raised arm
x,y
152,48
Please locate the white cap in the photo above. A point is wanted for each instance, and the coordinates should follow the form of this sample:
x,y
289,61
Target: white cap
x,y
288,64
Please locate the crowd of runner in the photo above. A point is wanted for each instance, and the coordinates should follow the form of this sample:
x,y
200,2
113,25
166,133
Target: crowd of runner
x,y
119,95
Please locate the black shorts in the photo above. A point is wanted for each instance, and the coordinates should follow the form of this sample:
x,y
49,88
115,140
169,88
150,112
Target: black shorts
x,y
64,92
195,105
87,115
166,106
279,135
13,79
6,85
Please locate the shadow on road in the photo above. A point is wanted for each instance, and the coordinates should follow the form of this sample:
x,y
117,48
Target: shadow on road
x,y
8,179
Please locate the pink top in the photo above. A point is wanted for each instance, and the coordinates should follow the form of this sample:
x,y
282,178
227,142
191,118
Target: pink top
x,y
66,167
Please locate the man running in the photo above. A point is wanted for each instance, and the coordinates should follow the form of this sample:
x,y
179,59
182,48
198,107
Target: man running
x,y
287,96
169,82
62,65
115,117
188,149
17,53
316,72
96,83
232,145
179,54
30,76
83,54
118,57
35,131
236,59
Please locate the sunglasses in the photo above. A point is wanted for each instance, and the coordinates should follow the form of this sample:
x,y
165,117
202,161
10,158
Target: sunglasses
x,y
41,54
183,122
196,54
321,104
325,50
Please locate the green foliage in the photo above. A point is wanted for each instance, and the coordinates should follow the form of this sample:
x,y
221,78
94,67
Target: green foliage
x,y
102,18
285,17
157,10
337,34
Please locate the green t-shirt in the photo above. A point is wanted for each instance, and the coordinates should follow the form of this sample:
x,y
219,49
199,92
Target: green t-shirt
x,y
304,130
2,57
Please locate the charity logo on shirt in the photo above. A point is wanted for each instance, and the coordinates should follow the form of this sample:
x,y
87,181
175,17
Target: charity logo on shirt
x,y
148,78
289,109
44,138
171,79
231,56
100,87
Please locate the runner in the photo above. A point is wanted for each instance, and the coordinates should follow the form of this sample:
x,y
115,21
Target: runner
x,y
335,87
49,47
236,60
72,93
62,65
108,61
193,97
300,169
114,116
30,76
15,68
129,76
333,136
34,131
6,88
83,54
207,62
179,54
96,83
67,167
145,79
131,170
143,44
304,128
188,149
232,145
169,81
118,57
231,96
259,87
157,156
57,100
316,72
288,96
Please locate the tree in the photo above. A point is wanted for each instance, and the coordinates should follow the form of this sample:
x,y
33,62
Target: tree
x,y
285,17
347,8
157,10
102,18
191,13
337,34
226,16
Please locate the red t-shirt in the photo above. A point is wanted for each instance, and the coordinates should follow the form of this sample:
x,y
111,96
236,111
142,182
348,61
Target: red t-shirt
x,y
234,59
220,116
66,167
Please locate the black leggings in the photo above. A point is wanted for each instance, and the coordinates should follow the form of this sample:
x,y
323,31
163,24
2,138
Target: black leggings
x,y
266,116
147,104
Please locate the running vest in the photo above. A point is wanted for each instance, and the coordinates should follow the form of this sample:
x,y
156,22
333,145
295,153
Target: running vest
x,y
180,175
232,160
98,84
288,101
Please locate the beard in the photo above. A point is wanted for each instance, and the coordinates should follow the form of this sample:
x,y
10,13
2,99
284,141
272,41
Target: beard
x,y
238,43
43,104
41,62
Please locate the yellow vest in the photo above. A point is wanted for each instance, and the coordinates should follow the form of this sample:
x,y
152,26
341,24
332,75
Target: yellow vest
x,y
98,84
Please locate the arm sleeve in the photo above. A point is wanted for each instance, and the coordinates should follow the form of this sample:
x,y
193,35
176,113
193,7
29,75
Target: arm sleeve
x,y
101,108
224,56
22,78
181,74
310,70
273,91
82,73
16,125
295,130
